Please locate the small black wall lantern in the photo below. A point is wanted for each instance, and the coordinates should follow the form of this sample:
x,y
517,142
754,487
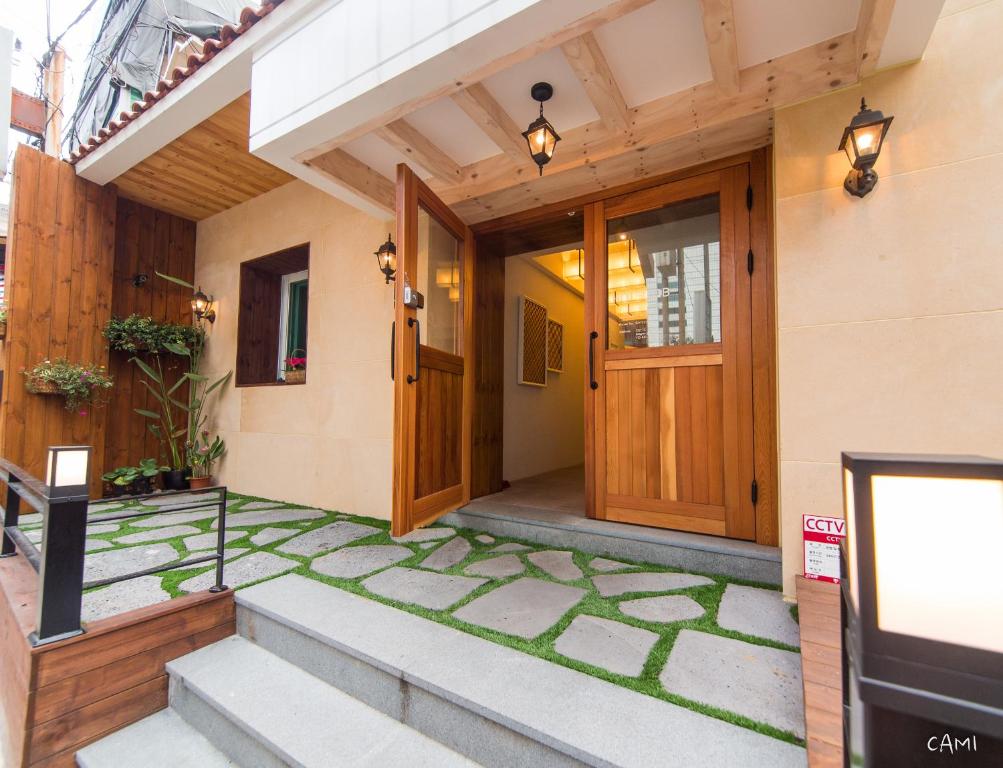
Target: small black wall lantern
x,y
862,140
202,306
386,259
922,608
541,136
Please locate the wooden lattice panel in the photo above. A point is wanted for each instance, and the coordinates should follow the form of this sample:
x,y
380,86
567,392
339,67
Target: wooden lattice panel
x,y
532,343
555,346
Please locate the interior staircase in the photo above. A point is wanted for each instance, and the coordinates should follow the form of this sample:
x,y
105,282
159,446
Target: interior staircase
x,y
317,676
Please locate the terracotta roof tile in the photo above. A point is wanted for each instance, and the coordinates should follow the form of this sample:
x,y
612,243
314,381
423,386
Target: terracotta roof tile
x,y
227,35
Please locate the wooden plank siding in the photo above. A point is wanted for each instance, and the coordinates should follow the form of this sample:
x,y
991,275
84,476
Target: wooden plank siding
x,y
58,698
73,251
821,660
147,241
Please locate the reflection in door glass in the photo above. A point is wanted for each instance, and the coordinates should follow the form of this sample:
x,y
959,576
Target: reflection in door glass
x,y
664,276
440,279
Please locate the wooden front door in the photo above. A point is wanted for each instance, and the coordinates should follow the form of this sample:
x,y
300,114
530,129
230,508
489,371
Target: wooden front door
x,y
432,358
669,374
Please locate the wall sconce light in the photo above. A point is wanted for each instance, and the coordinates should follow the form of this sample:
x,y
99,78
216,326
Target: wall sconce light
x,y
67,470
202,306
922,603
862,140
541,136
386,259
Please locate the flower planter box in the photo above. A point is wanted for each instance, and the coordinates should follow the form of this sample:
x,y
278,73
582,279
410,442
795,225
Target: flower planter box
x,y
44,387
296,376
3,330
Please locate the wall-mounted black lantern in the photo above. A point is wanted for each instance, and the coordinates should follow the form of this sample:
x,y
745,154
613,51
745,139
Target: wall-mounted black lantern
x,y
202,306
386,259
541,136
862,140
922,607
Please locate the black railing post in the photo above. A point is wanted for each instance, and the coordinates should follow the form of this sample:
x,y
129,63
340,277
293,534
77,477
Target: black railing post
x,y
61,577
219,586
11,514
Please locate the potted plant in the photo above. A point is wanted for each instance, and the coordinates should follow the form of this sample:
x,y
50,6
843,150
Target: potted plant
x,y
136,333
117,480
296,367
77,384
201,457
133,480
3,321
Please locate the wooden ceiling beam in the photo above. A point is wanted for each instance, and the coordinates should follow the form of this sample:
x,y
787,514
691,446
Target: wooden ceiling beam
x,y
604,15
411,143
722,43
873,21
357,176
481,107
590,66
795,76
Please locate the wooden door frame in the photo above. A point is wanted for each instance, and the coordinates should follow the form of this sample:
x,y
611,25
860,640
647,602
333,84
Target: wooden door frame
x,y
408,512
764,355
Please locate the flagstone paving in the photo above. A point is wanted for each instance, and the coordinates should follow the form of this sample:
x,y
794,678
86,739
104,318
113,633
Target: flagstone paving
x,y
269,535
622,583
93,545
603,565
496,567
328,537
761,683
429,590
612,645
449,554
426,534
157,534
711,642
525,608
758,612
358,561
244,570
210,540
557,564
244,519
663,610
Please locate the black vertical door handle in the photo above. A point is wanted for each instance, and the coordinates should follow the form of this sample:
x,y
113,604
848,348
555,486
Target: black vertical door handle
x,y
393,339
416,324
592,359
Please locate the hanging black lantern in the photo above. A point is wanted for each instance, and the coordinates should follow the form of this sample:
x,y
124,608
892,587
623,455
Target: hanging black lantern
x,y
862,140
541,136
386,259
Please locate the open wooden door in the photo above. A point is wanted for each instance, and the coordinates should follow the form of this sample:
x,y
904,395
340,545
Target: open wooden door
x,y
669,374
432,358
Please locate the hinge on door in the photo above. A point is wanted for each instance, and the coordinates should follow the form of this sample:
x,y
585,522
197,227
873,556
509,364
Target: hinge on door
x,y
748,197
750,262
755,493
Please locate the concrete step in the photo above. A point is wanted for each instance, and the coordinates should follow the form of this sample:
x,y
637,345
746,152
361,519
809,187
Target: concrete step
x,y
262,711
678,549
162,740
498,706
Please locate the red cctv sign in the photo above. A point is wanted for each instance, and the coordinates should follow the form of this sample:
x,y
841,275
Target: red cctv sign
x,y
822,536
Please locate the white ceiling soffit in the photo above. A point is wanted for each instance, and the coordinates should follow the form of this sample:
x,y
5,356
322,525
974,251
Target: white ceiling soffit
x,y
381,157
657,50
448,127
909,32
766,29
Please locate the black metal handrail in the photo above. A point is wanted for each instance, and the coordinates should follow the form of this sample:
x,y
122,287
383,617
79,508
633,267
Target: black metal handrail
x,y
60,562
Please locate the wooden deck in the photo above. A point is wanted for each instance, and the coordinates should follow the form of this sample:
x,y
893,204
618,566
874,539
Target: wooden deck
x,y
821,648
57,698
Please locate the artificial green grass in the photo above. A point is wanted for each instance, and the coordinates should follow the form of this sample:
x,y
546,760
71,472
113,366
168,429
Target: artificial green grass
x,y
708,596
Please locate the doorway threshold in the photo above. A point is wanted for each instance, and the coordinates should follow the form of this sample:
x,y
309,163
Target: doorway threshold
x,y
517,514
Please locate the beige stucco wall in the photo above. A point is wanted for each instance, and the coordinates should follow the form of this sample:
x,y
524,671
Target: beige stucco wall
x,y
890,308
327,442
544,427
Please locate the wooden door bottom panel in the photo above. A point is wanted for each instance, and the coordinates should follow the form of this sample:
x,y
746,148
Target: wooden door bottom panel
x,y
669,361
666,520
448,497
667,506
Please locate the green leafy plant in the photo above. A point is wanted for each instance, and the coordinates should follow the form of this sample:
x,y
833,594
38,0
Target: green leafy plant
x,y
203,453
137,479
136,333
78,384
3,313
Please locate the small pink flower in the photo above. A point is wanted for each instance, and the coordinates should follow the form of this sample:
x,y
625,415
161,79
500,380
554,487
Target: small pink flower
x,y
83,413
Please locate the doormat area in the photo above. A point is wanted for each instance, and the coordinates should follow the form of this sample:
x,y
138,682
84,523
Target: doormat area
x,y
721,646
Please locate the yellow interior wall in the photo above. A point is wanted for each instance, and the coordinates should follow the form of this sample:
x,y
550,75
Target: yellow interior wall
x,y
327,442
890,308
